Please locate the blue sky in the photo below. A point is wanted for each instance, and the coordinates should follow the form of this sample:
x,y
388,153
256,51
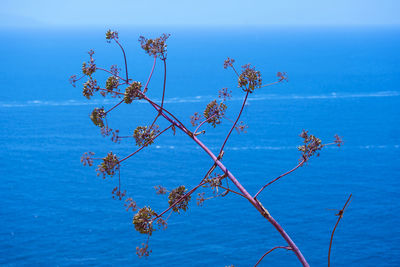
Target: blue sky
x,y
27,13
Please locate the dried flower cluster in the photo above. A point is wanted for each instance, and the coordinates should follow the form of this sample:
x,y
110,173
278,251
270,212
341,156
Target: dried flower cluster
x,y
89,87
155,47
97,116
87,159
194,120
214,112
225,94
144,135
249,79
282,76
130,204
143,220
133,92
160,190
112,83
111,35
116,193
228,62
88,68
143,251
177,194
311,145
338,140
109,165
241,127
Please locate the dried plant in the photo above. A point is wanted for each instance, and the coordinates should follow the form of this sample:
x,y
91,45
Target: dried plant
x,y
218,184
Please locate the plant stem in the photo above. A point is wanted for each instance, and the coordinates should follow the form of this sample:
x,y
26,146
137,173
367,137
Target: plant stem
x,y
276,179
126,64
257,204
269,251
340,214
234,124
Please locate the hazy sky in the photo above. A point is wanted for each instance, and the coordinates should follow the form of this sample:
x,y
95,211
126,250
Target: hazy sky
x,y
201,12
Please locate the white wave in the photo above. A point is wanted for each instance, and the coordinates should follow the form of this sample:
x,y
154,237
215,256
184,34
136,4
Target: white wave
x,y
258,147
198,99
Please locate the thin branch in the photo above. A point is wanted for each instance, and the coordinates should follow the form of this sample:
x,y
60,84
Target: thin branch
x,y
126,64
269,84
165,80
280,176
119,77
151,74
119,103
198,127
235,70
230,190
163,94
269,251
340,214
234,124
148,142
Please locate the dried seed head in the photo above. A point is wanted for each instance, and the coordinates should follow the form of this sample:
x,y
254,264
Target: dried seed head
x,y
144,135
97,116
89,87
311,145
109,165
111,35
142,220
249,79
155,47
228,62
214,112
133,92
177,194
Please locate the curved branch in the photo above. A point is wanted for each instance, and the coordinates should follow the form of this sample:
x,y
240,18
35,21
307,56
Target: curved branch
x,y
151,74
126,64
276,179
198,127
165,80
230,190
269,251
340,214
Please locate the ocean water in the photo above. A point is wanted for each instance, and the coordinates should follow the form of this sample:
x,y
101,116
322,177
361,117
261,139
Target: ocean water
x,y
55,212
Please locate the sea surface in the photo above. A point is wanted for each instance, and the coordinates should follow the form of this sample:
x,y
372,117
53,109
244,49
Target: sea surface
x,y
345,81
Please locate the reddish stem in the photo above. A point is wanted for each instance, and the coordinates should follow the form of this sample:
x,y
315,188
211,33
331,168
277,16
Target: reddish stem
x,y
165,80
340,214
198,127
234,124
115,106
151,74
97,68
269,251
254,202
230,190
126,64
276,179
269,84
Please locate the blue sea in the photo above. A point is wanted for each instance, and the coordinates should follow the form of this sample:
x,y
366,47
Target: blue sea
x,y
345,81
